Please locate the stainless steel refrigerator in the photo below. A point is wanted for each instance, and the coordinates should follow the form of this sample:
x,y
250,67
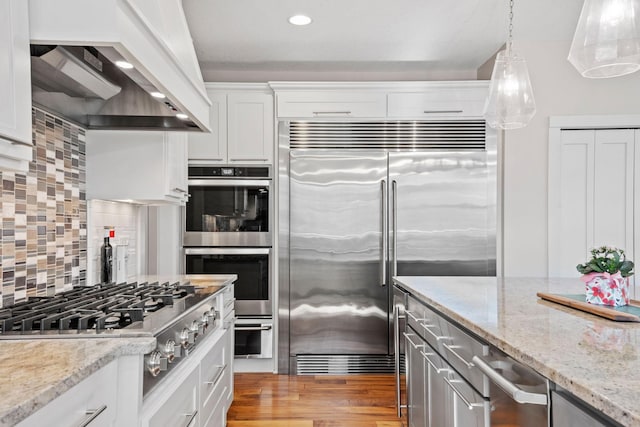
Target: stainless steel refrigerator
x,y
360,203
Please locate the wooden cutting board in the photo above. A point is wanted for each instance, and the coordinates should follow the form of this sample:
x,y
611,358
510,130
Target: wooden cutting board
x,y
627,313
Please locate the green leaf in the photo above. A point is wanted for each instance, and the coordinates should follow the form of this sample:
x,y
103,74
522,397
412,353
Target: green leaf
x,y
595,266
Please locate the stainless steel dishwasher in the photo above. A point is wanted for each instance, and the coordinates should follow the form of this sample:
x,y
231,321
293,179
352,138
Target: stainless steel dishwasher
x,y
519,396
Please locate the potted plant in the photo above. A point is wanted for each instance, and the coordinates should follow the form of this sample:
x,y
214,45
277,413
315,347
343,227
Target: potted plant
x,y
606,276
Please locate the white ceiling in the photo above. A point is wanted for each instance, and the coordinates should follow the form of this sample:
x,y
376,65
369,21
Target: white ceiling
x,y
251,40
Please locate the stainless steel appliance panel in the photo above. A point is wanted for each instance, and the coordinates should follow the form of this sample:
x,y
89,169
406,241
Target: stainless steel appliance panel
x,y
440,214
253,288
338,304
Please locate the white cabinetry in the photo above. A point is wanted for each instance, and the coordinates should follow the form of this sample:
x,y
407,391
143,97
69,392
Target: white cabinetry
x,y
331,104
15,86
393,100
464,100
242,127
592,194
94,399
146,167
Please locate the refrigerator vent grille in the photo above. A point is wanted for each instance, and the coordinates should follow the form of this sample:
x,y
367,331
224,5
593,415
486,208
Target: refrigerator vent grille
x,y
310,364
391,135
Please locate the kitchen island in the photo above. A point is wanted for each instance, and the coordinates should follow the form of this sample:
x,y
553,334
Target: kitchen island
x,y
41,371
595,359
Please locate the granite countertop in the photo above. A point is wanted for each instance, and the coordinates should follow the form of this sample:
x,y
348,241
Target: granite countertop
x,y
35,372
596,359
198,280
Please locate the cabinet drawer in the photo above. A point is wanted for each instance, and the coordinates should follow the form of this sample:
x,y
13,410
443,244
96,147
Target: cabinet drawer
x,y
181,408
425,322
458,348
95,396
331,104
432,104
218,418
212,374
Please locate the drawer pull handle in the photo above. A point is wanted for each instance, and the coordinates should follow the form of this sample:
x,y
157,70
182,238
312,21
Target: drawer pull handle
x,y
92,414
262,159
180,190
217,375
414,345
413,317
455,353
437,337
343,113
461,396
442,111
192,417
433,365
510,388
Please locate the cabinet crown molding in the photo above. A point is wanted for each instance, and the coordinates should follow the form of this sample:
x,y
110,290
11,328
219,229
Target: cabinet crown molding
x,y
408,86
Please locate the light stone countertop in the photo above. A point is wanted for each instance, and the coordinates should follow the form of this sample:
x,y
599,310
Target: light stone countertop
x,y
35,372
596,359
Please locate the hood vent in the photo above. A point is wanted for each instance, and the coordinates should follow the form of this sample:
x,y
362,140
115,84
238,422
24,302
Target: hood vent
x,y
82,84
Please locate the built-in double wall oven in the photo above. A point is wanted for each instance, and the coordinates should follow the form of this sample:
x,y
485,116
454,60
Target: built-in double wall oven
x,y
228,225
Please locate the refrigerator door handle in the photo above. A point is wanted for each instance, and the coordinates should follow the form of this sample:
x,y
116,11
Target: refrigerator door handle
x,y
394,222
385,232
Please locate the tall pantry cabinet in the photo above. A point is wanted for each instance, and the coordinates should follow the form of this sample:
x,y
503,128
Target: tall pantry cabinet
x,y
594,194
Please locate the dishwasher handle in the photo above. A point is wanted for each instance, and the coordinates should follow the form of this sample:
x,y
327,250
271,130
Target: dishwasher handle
x,y
510,388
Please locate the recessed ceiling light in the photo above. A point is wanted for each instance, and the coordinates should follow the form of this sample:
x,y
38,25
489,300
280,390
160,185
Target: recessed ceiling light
x,y
300,20
124,64
182,116
158,95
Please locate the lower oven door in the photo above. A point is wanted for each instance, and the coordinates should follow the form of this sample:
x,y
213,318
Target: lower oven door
x,y
253,338
253,289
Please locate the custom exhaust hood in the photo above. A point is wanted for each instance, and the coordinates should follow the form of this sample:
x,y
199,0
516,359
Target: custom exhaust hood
x,y
76,44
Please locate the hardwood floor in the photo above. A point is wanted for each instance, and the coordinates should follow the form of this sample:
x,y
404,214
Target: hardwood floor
x,y
267,400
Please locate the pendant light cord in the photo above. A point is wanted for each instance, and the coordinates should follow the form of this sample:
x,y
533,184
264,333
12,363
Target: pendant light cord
x,y
510,38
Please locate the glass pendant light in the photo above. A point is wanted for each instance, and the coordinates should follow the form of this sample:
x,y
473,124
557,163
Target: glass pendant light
x,y
510,104
607,39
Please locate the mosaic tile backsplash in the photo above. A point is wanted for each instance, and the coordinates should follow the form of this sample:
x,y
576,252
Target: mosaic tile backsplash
x,y
44,214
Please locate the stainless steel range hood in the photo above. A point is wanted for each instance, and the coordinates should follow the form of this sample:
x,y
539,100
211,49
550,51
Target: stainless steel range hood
x,y
83,85
75,45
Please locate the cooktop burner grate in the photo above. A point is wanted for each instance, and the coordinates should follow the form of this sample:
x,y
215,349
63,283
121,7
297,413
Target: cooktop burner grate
x,y
98,308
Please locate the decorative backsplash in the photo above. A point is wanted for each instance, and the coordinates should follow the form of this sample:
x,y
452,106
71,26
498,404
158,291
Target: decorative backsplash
x,y
44,214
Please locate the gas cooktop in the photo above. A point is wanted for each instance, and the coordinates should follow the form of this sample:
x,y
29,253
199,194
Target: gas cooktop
x,y
128,309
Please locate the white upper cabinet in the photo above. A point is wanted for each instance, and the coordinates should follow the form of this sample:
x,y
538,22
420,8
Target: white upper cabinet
x,y
242,123
15,87
142,166
379,100
212,146
331,104
439,100
250,127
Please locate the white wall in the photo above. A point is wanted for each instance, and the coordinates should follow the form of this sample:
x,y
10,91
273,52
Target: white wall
x,y
130,227
558,90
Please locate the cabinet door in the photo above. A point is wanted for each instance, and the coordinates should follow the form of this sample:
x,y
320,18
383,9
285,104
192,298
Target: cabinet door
x,y
176,164
15,87
250,128
212,147
591,196
417,407
15,80
180,408
331,104
438,102
94,398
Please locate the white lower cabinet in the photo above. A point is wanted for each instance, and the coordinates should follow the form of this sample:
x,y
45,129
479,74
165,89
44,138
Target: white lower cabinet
x,y
91,403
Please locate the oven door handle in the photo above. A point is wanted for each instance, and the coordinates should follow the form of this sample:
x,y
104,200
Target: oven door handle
x,y
227,251
222,182
510,388
253,328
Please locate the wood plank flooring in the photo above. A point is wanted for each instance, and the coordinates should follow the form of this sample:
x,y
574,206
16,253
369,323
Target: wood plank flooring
x,y
268,400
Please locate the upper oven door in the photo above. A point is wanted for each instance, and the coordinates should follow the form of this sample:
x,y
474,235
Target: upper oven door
x,y
228,212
